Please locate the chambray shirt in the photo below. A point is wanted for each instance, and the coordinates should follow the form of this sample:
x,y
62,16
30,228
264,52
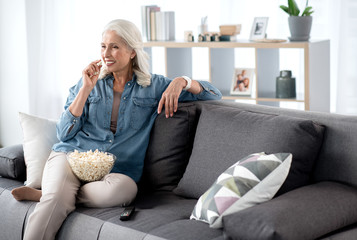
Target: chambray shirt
x,y
137,113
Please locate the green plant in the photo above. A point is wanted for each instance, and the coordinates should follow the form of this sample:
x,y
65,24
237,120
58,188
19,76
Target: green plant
x,y
293,10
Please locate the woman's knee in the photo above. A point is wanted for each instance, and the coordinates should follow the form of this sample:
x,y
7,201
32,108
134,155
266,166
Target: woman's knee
x,y
114,190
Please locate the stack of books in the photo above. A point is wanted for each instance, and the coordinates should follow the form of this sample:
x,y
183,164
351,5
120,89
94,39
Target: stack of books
x,y
229,32
157,25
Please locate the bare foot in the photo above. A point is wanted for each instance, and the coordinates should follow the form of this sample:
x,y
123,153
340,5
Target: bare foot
x,y
26,193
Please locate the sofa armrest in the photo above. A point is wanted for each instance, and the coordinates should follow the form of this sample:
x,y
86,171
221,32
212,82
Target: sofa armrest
x,y
305,213
12,163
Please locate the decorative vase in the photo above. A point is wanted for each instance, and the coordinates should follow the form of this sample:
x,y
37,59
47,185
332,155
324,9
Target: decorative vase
x,y
300,27
285,85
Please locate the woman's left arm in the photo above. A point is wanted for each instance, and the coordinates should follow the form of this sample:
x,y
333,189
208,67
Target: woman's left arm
x,y
197,90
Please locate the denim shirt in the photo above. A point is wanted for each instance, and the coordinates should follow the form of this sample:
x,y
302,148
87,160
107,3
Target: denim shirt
x,y
137,113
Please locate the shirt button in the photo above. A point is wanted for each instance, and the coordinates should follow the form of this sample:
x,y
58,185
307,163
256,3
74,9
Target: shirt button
x,y
128,84
110,141
124,98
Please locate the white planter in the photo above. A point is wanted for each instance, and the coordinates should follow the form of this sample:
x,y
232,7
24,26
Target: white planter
x,y
300,27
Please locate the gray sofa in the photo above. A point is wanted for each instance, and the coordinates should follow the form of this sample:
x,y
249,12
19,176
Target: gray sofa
x,y
188,152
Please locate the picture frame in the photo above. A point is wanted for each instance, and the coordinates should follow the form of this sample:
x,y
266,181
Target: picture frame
x,y
242,81
259,28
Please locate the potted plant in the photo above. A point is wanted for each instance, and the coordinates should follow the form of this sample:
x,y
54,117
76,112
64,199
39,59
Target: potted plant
x,y
300,26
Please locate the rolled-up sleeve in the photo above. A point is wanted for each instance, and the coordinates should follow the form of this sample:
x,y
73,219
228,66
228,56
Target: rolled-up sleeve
x,y
209,92
68,125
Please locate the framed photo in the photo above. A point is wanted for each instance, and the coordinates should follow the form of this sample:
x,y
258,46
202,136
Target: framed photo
x,y
242,81
259,28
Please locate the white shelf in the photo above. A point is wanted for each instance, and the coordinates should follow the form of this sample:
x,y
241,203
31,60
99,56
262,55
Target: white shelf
x,y
316,80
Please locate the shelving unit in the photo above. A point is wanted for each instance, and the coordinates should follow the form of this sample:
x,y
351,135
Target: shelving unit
x,y
316,77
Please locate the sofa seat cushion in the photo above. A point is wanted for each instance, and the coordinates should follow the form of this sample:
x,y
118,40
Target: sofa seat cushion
x,y
185,229
305,213
12,164
153,212
349,232
9,184
12,213
225,135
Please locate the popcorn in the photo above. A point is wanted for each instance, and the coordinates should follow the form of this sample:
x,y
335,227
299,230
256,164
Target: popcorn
x,y
90,166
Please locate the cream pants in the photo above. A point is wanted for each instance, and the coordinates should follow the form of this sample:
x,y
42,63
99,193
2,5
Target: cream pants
x,y
61,190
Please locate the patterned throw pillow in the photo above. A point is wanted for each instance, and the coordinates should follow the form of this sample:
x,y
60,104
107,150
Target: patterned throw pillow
x,y
250,181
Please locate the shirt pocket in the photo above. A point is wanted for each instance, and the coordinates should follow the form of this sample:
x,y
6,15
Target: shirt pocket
x,y
143,108
93,108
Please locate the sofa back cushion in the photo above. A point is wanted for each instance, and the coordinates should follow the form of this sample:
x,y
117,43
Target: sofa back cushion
x,y
226,134
337,158
169,149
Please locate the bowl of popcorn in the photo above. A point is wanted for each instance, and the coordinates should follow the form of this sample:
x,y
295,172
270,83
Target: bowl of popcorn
x,y
91,165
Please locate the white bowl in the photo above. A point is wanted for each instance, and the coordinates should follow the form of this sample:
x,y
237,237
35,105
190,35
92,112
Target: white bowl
x,y
91,166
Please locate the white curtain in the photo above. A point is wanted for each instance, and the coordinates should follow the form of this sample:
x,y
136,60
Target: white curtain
x,y
42,22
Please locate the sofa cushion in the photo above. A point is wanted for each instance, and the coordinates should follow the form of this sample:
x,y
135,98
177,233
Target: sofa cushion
x,y
39,136
225,134
12,163
305,213
169,148
250,181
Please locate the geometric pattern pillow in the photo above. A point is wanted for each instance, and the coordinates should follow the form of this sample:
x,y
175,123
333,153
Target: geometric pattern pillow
x,y
250,181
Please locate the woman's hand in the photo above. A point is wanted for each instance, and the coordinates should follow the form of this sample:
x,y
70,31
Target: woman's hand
x,y
89,78
170,97
90,75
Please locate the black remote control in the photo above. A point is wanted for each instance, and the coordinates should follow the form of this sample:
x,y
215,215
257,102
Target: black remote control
x,y
126,214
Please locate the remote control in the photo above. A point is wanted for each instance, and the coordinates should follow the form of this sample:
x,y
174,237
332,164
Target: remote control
x,y
126,214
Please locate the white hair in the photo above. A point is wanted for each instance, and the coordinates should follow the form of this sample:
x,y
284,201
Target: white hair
x,y
132,37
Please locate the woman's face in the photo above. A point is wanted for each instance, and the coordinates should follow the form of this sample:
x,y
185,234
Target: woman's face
x,y
115,53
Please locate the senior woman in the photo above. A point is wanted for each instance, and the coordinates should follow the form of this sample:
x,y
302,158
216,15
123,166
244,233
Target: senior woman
x,y
112,108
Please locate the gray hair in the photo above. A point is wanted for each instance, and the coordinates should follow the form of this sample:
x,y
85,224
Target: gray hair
x,y
132,37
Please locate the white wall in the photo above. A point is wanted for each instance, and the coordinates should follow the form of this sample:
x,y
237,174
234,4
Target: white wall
x,y
13,70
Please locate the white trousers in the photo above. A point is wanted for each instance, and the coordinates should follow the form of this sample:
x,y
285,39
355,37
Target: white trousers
x,y
61,190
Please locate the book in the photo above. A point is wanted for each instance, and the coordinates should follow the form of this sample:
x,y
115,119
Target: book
x,y
146,20
165,26
170,26
160,26
153,23
156,24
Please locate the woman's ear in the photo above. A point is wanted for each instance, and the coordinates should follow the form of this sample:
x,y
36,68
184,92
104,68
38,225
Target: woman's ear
x,y
133,54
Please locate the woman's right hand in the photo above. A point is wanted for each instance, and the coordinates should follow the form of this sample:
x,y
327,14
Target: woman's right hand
x,y
90,75
89,78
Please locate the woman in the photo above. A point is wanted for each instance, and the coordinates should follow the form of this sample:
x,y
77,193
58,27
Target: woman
x,y
112,108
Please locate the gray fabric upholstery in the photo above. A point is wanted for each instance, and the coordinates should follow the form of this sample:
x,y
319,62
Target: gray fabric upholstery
x,y
80,227
113,231
12,216
9,184
346,233
305,213
12,164
225,135
169,148
185,230
164,215
337,158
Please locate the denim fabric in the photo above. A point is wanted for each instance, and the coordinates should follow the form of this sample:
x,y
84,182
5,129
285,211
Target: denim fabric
x,y
137,113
